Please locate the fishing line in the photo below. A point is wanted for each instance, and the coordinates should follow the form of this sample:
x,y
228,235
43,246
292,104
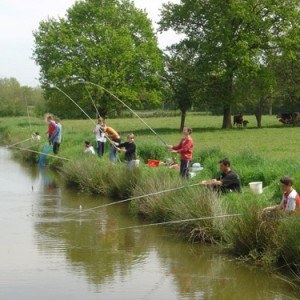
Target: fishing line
x,y
90,96
135,198
74,103
28,114
106,90
176,222
81,110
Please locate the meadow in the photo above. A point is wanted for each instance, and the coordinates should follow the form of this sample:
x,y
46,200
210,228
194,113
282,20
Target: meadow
x,y
264,154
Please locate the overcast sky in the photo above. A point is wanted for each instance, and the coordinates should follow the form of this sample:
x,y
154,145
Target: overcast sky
x,y
18,19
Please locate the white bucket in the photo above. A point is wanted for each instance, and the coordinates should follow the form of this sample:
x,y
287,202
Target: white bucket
x,y
256,187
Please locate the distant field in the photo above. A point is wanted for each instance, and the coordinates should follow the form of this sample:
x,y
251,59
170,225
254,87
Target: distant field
x,y
273,141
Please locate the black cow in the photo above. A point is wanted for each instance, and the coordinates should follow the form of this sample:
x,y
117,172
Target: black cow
x,y
239,121
288,117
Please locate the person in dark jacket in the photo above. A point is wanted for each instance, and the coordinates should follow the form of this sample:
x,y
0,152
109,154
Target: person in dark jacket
x,y
129,149
228,181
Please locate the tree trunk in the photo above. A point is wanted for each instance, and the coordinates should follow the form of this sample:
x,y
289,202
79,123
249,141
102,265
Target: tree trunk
x,y
258,115
227,117
182,121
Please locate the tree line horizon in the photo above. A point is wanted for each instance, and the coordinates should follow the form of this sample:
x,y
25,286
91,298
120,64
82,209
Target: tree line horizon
x,y
235,57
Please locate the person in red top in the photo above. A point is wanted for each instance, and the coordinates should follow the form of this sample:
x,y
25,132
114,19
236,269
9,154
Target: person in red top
x,y
51,127
185,148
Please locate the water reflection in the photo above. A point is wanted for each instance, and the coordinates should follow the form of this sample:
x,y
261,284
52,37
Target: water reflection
x,y
83,255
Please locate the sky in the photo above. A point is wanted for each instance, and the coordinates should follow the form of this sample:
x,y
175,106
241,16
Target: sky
x,y
19,18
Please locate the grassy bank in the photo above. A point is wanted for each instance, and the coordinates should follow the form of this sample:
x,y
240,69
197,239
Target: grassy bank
x,y
257,155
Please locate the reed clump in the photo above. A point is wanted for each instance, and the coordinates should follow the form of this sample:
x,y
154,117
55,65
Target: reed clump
x,y
98,176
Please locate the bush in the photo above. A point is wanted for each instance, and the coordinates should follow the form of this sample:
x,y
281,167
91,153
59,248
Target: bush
x,y
147,151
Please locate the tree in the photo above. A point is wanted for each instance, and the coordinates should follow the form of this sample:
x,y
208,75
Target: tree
x,y
180,79
107,42
229,39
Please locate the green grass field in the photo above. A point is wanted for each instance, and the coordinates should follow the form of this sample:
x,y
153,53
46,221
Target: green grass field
x,y
273,141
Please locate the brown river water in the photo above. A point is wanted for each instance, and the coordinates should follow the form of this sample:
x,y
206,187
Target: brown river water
x,y
50,249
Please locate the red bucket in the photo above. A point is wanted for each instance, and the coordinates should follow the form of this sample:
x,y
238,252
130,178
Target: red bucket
x,y
153,163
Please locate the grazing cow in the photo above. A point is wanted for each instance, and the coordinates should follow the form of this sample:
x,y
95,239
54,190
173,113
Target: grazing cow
x,y
285,118
245,122
239,121
289,118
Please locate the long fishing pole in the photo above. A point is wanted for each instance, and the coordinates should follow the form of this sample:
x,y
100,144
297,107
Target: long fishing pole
x,y
136,198
90,96
106,90
176,222
38,152
54,86
83,112
23,141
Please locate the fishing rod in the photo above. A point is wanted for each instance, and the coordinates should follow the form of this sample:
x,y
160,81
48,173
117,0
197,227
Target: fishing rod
x,y
34,136
135,198
176,222
23,141
80,109
38,152
90,96
54,86
106,90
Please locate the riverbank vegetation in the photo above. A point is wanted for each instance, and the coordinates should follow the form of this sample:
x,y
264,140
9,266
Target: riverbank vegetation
x,y
256,154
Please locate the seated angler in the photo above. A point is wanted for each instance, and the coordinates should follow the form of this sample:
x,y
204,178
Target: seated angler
x,y
227,182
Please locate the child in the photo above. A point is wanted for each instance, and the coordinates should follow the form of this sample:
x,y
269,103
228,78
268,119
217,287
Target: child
x,y
185,148
88,148
130,151
100,137
290,201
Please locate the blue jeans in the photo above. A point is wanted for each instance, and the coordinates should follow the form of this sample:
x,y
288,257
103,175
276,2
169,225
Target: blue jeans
x,y
100,148
113,151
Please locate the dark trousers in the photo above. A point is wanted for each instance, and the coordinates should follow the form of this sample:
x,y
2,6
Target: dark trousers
x,y
56,147
100,148
184,168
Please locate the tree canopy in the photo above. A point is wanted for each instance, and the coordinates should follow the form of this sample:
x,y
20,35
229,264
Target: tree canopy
x,y
15,99
231,41
107,42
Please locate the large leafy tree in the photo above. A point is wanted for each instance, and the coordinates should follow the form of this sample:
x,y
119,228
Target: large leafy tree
x,y
107,42
179,76
229,39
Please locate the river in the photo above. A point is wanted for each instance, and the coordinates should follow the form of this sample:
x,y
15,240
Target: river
x,y
53,247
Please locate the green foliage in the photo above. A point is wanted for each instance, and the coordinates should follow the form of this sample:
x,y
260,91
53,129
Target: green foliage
x,y
288,241
17,100
108,43
230,43
152,151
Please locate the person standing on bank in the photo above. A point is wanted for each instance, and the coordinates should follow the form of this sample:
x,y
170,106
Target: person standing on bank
x,y
130,151
51,127
100,137
228,181
55,138
114,137
185,148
